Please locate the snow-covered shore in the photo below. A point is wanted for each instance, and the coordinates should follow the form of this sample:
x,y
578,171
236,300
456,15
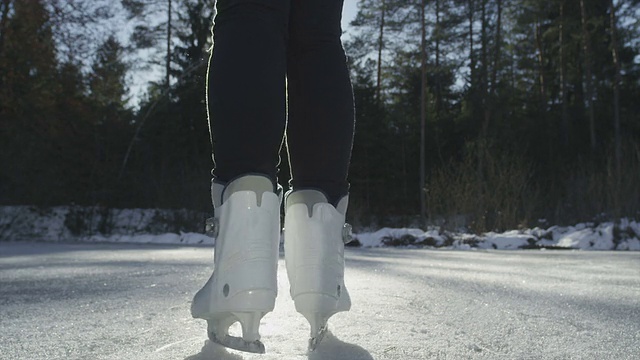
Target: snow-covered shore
x,y
68,223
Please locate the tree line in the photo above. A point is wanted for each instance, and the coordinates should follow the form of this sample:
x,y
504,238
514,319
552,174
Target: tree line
x,y
487,114
69,133
493,114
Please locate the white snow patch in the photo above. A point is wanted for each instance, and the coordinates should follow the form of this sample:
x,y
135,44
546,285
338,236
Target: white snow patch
x,y
418,236
600,238
510,240
150,226
631,244
635,226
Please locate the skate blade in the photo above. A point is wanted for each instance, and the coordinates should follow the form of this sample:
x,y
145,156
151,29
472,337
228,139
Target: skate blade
x,y
314,341
249,342
237,343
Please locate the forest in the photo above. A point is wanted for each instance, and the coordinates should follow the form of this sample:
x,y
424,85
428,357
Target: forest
x,y
478,114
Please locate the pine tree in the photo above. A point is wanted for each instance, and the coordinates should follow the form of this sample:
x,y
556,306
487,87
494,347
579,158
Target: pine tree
x,y
175,154
107,82
80,26
111,123
154,23
27,100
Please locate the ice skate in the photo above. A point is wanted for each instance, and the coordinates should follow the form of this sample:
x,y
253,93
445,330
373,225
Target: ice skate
x,y
243,285
315,234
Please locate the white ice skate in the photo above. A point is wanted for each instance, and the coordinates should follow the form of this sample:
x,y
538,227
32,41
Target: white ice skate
x,y
243,285
314,237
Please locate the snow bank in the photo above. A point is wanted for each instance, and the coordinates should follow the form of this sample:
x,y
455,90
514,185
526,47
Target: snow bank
x,y
95,224
605,236
405,236
144,226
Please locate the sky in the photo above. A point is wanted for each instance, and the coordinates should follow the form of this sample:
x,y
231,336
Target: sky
x,y
349,12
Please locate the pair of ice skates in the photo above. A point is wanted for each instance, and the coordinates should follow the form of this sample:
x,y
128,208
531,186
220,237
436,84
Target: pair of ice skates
x,y
243,286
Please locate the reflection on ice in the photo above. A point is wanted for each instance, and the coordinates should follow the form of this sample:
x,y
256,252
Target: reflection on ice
x,y
213,351
331,348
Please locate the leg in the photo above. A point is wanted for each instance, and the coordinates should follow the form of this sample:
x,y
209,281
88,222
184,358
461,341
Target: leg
x,y
247,107
319,140
321,111
246,89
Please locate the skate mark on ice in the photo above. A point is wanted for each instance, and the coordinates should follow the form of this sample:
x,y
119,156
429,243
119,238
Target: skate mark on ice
x,y
331,348
213,351
173,344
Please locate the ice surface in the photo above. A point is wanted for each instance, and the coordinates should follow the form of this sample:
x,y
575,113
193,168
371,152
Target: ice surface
x,y
122,301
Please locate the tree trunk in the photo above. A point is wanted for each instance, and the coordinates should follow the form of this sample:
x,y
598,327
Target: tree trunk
x,y
563,79
168,63
491,91
472,58
380,44
484,78
367,178
588,74
483,51
541,62
437,36
616,89
497,49
423,108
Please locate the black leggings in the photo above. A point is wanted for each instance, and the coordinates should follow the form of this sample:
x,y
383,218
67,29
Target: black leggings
x,y
263,51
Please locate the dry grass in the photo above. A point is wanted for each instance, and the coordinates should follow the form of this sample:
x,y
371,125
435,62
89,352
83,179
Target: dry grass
x,y
488,190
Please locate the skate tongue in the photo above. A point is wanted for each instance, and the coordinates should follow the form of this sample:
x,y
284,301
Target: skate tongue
x,y
256,183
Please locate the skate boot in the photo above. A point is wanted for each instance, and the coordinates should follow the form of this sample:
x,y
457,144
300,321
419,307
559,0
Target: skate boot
x,y
315,234
243,285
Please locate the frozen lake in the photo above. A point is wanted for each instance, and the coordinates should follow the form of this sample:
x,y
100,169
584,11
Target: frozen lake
x,y
114,301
